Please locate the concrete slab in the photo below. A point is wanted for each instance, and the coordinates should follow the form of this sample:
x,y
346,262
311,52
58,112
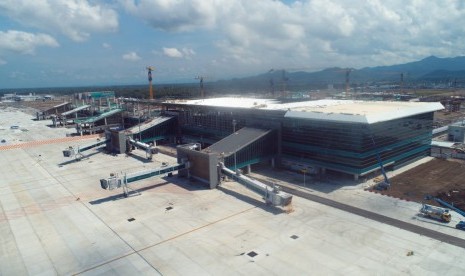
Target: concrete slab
x,y
354,194
55,219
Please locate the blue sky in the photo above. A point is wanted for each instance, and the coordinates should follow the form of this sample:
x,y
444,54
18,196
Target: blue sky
x,y
53,43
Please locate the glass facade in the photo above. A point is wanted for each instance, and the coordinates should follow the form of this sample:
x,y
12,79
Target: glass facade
x,y
346,147
163,131
258,151
210,124
353,147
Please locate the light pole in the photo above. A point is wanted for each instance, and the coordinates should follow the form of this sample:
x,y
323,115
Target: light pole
x,y
140,134
235,150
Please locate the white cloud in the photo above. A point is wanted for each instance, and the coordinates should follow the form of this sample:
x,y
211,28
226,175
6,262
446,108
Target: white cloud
x,y
172,52
2,62
188,52
25,43
185,52
106,45
131,56
77,19
320,33
180,15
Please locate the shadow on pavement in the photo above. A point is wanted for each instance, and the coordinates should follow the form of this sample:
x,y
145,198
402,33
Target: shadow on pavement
x,y
252,201
324,184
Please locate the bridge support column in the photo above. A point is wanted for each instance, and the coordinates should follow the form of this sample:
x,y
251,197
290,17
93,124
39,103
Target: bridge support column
x,y
355,177
248,169
273,163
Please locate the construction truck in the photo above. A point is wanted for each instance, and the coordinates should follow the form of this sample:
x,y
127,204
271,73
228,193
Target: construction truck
x,y
436,213
461,224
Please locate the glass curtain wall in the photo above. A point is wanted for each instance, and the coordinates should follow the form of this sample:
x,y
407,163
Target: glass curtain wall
x,y
163,131
260,150
353,147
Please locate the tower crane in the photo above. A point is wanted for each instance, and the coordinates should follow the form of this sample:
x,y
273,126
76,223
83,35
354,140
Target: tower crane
x,y
202,92
272,82
149,75
348,70
284,81
401,83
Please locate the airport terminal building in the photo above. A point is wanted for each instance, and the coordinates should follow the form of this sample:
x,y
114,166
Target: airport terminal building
x,y
351,137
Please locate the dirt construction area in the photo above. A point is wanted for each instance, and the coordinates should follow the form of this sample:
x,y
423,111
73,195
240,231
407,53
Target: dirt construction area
x,y
441,178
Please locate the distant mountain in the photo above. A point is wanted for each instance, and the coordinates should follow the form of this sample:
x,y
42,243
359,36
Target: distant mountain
x,y
418,69
429,69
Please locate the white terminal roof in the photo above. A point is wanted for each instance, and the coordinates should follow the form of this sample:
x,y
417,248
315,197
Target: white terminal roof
x,y
368,112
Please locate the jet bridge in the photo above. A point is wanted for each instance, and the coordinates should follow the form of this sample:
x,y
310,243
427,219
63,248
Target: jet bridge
x,y
77,151
155,129
88,125
45,114
99,117
61,119
116,181
208,167
75,110
149,149
245,147
272,195
147,125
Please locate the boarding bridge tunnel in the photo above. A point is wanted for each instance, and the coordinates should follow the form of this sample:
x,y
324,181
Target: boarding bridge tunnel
x,y
239,150
251,145
146,132
100,122
154,129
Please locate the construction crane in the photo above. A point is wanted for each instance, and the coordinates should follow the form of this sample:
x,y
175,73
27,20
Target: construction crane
x,y
348,70
202,92
149,75
403,76
401,83
271,82
385,184
284,81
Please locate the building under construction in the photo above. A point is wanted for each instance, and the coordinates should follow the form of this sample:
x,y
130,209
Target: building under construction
x,y
315,137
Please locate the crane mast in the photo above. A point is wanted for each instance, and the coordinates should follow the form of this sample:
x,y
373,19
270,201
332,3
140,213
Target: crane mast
x,y
202,91
149,75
